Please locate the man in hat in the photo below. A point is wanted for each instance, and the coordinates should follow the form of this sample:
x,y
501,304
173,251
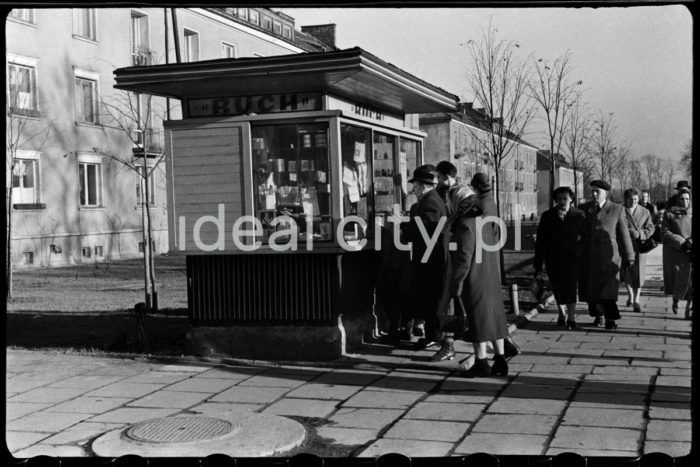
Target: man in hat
x,y
427,278
673,200
606,227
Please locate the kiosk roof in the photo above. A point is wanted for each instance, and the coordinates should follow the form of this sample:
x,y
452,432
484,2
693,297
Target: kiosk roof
x,y
352,73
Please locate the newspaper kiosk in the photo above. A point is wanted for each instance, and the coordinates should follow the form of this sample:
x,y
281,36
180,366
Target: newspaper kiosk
x,y
276,173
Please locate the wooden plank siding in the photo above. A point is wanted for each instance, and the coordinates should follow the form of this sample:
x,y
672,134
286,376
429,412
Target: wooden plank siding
x,y
206,171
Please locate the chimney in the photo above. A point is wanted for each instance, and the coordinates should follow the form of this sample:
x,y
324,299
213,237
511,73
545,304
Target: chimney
x,y
463,107
323,32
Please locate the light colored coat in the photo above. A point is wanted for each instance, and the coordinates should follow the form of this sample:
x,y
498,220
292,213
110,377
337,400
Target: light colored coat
x,y
641,228
677,227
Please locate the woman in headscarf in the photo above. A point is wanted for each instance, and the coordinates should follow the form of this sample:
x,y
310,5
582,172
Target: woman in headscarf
x,y
678,247
476,279
561,236
641,228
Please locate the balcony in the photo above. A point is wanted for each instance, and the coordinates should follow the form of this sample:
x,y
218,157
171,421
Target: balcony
x,y
151,147
142,56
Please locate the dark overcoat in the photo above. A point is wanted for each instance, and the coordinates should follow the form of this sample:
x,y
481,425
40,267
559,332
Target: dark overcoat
x,y
641,228
677,226
427,279
478,283
560,244
607,234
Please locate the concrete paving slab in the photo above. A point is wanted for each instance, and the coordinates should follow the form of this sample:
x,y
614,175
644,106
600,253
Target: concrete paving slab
x,y
672,448
302,407
445,411
24,383
619,418
427,430
518,424
678,395
49,395
515,368
625,387
461,397
45,422
280,381
232,372
81,433
676,411
383,399
124,389
129,415
350,377
351,417
514,444
563,368
576,438
205,385
324,391
411,448
170,399
17,440
673,381
347,436
15,410
592,452
675,372
89,404
669,430
399,384
252,395
52,451
518,405
547,379
610,400
157,377
457,383
626,379
85,381
213,409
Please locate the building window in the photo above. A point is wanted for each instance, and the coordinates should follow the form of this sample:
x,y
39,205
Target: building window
x,y
85,23
142,103
140,181
90,184
228,50
28,257
140,52
86,252
23,14
287,32
86,99
22,89
277,27
267,23
230,11
25,182
255,17
99,251
243,13
191,46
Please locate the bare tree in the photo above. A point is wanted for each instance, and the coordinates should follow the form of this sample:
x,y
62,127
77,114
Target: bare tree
x,y
621,162
687,159
604,145
636,178
499,82
23,131
577,141
668,168
555,93
652,167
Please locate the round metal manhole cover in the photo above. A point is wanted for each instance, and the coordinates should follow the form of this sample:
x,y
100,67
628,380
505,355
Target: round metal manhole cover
x,y
179,429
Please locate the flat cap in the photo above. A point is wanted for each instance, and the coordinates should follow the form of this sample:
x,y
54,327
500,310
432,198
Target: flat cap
x,y
602,184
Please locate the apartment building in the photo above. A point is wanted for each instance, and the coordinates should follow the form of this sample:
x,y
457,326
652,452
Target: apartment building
x,y
563,176
455,136
76,145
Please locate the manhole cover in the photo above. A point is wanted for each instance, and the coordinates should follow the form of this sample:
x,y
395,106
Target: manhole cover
x,y
179,429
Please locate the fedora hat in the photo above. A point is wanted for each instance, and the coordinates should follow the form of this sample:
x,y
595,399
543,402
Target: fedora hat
x,y
682,184
424,174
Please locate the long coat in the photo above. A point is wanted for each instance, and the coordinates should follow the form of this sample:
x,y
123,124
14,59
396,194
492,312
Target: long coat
x,y
677,227
641,228
607,232
478,283
560,244
427,279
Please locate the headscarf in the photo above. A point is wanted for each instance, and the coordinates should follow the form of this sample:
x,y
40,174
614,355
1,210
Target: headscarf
x,y
466,203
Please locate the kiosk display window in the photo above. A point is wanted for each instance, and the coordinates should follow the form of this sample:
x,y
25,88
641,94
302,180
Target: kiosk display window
x,y
290,166
384,174
408,161
356,164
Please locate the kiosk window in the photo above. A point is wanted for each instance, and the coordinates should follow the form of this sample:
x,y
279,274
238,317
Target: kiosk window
x,y
408,161
290,164
385,192
356,149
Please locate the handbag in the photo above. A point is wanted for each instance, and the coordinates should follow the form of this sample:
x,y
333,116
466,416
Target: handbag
x,y
537,287
457,322
645,246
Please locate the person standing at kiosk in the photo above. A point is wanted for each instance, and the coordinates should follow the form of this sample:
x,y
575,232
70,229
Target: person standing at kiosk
x,y
427,274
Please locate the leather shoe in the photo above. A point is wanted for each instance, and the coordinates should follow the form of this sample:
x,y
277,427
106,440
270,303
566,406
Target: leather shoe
x,y
596,321
561,321
500,366
510,348
674,307
636,307
480,369
426,344
446,352
610,324
570,325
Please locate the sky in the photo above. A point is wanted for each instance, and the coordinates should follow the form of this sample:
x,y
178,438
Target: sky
x,y
635,62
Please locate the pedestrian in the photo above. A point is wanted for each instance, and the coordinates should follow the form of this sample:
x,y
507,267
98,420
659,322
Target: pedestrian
x,y
446,181
428,275
673,200
560,241
646,203
677,251
606,227
640,228
478,283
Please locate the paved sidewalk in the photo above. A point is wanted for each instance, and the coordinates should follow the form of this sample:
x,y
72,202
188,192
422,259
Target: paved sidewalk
x,y
591,391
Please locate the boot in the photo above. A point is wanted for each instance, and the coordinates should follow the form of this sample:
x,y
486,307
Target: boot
x,y
446,352
480,369
510,348
500,366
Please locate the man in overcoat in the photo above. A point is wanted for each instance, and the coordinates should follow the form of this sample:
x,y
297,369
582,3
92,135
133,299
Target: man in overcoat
x,y
608,244
427,277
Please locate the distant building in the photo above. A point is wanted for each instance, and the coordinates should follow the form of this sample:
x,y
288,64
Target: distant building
x,y
72,202
563,176
451,136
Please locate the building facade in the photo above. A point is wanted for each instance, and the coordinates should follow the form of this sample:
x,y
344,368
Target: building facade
x,y
454,136
76,144
563,176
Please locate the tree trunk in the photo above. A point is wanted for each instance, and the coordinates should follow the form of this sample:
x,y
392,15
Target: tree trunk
x,y
501,259
575,187
552,180
8,257
151,269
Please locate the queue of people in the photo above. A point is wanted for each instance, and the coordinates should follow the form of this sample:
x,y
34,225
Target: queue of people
x,y
586,251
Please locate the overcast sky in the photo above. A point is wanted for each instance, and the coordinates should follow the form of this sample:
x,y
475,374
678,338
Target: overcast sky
x,y
635,62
